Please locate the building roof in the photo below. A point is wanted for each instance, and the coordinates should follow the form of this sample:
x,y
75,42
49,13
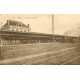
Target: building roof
x,y
15,23
30,33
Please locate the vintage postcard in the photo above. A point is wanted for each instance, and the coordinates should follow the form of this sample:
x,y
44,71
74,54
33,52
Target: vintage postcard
x,y
40,39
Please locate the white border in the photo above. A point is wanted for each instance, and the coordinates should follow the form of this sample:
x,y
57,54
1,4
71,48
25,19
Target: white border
x,y
39,72
40,6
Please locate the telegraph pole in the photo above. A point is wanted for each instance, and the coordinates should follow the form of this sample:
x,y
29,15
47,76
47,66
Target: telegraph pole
x,y
0,36
53,27
1,44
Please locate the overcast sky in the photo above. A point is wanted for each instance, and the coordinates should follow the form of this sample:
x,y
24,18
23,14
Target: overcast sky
x,y
43,23
65,22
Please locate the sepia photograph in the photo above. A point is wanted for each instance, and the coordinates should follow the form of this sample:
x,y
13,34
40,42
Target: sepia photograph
x,y
39,39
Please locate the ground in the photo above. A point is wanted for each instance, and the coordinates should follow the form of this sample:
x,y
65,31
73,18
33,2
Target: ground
x,y
43,53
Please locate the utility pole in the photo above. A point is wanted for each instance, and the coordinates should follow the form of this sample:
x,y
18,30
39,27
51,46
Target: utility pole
x,y
1,44
53,27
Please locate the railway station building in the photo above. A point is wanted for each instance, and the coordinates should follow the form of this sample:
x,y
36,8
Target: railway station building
x,y
15,32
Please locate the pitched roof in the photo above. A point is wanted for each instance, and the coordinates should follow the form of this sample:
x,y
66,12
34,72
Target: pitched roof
x,y
15,23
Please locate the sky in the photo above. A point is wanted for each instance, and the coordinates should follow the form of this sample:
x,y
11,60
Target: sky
x,y
38,23
66,22
43,22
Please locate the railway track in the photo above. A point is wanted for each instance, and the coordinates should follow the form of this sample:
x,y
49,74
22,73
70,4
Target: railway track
x,y
54,57
60,58
14,51
73,61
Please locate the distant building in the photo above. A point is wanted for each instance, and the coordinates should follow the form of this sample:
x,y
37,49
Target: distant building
x,y
73,32
12,25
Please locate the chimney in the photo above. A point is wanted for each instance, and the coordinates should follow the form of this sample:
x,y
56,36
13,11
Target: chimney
x,y
1,24
21,23
8,22
28,25
17,23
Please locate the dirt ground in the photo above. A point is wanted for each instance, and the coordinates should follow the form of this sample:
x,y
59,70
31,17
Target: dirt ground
x,y
69,56
11,51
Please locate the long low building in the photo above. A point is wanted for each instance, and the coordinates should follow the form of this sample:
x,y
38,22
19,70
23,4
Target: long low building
x,y
14,32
